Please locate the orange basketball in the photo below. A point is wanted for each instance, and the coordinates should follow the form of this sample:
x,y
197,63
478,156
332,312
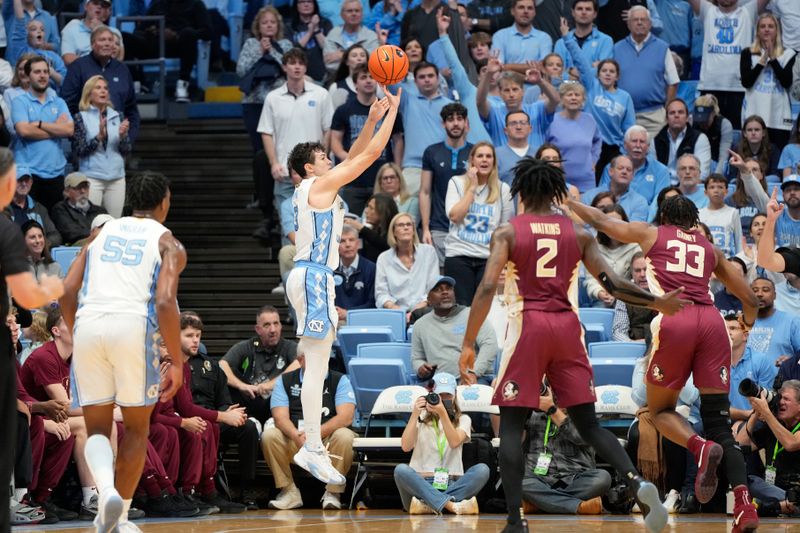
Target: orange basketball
x,y
388,64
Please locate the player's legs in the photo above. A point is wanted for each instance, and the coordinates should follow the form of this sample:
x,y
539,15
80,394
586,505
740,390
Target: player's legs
x,y
511,458
100,459
317,354
132,452
661,402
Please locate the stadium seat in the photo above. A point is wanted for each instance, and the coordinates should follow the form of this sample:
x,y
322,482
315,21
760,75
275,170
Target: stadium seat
x,y
387,350
396,400
371,376
394,318
64,255
350,337
597,323
476,399
772,181
613,371
618,350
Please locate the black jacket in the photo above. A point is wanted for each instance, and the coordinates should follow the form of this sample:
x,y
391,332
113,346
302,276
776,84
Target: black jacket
x,y
661,143
72,223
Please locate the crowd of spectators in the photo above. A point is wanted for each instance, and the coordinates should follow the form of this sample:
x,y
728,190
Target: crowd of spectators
x,y
605,93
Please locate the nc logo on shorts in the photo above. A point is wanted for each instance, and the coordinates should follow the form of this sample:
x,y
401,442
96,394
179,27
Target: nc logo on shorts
x,y
316,325
152,392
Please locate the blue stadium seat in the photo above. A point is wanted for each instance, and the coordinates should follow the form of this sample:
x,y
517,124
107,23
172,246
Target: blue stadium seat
x,y
617,371
394,318
64,255
370,377
387,350
772,181
597,323
616,350
350,337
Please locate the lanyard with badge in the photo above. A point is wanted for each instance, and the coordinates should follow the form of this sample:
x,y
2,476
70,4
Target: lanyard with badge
x,y
543,462
441,476
771,471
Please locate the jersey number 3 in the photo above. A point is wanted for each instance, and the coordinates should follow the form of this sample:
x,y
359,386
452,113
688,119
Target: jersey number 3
x,y
550,247
693,266
119,250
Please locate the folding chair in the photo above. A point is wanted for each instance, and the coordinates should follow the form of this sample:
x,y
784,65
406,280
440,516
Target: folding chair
x,y
394,318
617,371
597,323
388,350
350,337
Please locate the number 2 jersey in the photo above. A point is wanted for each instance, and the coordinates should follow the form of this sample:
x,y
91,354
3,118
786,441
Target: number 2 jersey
x,y
122,267
681,258
546,258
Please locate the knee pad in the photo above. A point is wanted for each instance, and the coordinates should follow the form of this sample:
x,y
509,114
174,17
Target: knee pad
x,y
715,412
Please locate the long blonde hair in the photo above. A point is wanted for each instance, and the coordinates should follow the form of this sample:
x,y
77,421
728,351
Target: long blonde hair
x,y
88,87
390,231
257,21
756,49
391,166
494,177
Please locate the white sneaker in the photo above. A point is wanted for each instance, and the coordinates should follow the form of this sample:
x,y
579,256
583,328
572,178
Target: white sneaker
x,y
318,464
127,527
182,92
288,498
109,509
672,500
279,289
417,506
330,500
467,506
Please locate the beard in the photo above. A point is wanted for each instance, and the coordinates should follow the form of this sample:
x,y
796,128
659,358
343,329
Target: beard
x,y
82,205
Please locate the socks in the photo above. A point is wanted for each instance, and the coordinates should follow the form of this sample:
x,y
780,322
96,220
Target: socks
x,y
126,506
88,493
19,494
100,459
695,444
317,353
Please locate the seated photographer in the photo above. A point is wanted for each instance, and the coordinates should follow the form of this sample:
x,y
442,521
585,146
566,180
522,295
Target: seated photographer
x,y
434,480
746,368
773,427
561,476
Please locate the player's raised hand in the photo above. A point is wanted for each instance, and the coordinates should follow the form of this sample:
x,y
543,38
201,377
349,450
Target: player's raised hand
x,y
671,303
393,99
378,109
52,285
774,208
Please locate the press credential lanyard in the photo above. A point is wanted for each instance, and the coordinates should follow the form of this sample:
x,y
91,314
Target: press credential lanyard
x,y
441,476
543,462
769,475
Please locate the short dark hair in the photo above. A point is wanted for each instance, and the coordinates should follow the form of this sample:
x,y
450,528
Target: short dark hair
x,y
424,64
717,178
36,59
6,160
538,183
145,190
190,319
451,109
517,112
681,100
764,278
358,70
479,37
267,309
679,211
297,54
594,4
304,153
53,316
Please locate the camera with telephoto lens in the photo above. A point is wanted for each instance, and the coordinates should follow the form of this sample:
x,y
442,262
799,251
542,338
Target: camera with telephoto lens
x,y
751,389
432,398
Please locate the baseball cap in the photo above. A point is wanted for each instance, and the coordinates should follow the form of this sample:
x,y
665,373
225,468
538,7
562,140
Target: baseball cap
x,y
74,179
791,178
443,279
702,114
444,383
99,220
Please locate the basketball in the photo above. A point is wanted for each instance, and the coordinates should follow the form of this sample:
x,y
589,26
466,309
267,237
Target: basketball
x,y
388,64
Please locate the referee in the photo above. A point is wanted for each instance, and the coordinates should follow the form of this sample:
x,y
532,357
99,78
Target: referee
x,y
20,282
784,259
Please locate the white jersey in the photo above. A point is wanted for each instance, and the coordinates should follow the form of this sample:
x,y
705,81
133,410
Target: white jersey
x,y
767,98
122,266
317,232
725,35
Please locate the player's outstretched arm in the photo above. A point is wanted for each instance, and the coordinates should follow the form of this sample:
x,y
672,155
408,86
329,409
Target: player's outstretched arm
x,y
324,191
500,249
173,261
669,304
639,232
767,257
72,284
376,112
733,279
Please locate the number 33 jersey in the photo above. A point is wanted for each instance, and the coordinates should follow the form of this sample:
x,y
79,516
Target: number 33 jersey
x,y
681,258
545,258
122,267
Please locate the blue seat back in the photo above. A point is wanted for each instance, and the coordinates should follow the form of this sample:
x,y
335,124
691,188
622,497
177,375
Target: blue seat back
x,y
64,255
350,337
613,371
597,322
387,350
370,377
394,318
617,350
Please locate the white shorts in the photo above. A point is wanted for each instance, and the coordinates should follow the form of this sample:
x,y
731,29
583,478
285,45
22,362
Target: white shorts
x,y
311,293
115,359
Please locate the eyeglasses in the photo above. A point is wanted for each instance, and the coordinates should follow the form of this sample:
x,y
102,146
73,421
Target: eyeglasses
x,y
518,123
389,177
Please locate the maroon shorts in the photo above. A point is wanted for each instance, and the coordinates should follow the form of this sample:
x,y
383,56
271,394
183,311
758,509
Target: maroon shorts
x,y
547,343
694,341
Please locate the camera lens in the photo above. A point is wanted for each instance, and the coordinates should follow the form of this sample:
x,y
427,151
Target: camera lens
x,y
432,398
749,388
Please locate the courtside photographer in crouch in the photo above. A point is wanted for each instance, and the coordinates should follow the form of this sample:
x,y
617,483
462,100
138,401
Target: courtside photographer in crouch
x,y
773,426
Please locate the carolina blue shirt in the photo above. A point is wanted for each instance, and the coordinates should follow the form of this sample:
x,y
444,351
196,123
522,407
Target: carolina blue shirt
x,y
44,158
634,204
332,10
698,197
612,110
775,336
580,143
676,15
751,366
648,180
18,45
539,117
790,156
51,33
421,116
787,230
389,22
596,47
344,393
507,159
514,47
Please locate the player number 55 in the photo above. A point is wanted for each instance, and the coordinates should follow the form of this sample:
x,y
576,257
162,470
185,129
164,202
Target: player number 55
x,y
119,250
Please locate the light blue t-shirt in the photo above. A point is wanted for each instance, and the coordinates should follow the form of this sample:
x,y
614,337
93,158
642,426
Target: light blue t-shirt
x,y
756,367
787,230
43,158
775,336
539,117
421,116
648,180
596,47
790,157
632,202
514,47
344,393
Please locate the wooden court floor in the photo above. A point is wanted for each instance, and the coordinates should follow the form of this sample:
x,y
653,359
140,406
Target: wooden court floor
x,y
388,521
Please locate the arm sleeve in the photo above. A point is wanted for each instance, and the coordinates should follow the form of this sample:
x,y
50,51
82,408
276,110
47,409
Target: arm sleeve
x,y
791,256
235,356
222,395
584,66
508,203
186,407
417,350
279,397
71,89
453,195
737,232
784,74
487,350
344,392
12,249
249,56
748,72
755,192
702,149
461,81
374,238
82,146
725,141
381,282
670,72
638,387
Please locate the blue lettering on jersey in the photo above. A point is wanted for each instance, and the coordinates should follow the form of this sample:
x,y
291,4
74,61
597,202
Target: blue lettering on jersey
x,y
119,250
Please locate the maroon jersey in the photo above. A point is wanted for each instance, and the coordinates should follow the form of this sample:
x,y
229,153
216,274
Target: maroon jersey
x,y
44,367
545,260
681,258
